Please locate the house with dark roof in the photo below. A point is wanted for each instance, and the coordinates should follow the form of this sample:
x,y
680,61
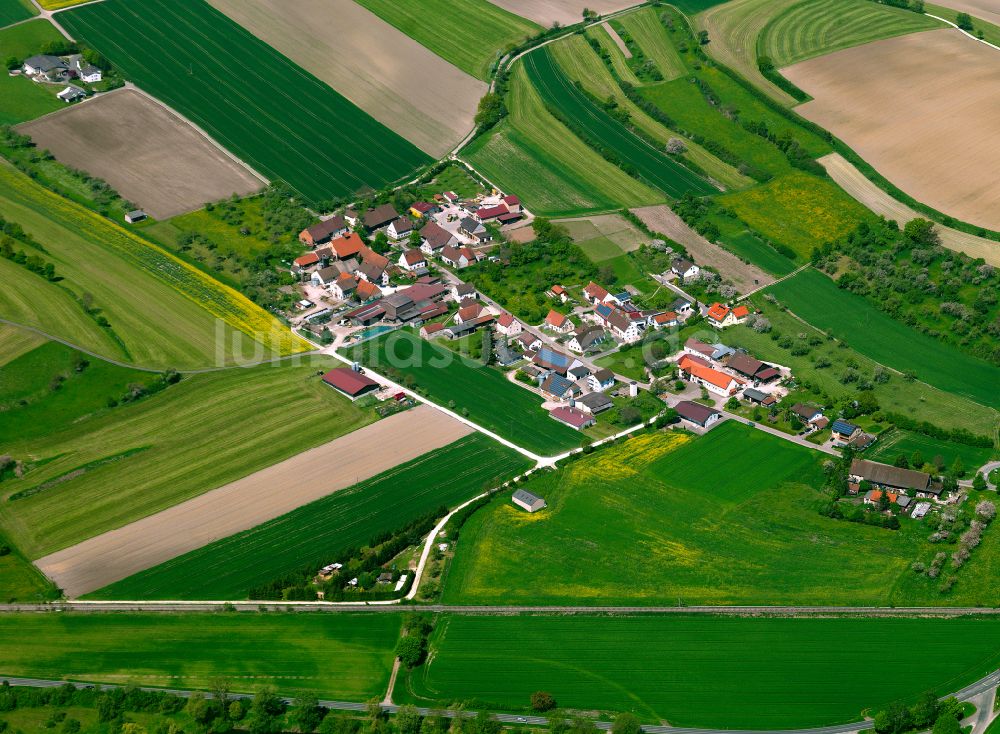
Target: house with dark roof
x,y
436,238
474,230
528,341
684,268
808,414
886,476
602,379
697,414
399,229
755,396
558,387
594,403
844,431
504,354
413,260
527,501
379,217
549,359
586,338
457,257
323,232
350,382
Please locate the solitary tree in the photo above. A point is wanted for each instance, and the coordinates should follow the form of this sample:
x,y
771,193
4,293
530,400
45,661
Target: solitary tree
x,y
964,21
626,723
542,701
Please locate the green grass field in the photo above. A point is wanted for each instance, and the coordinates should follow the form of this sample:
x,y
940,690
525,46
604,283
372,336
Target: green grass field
x,y
816,27
746,244
20,98
321,530
11,11
162,311
272,114
814,297
707,671
914,399
668,518
798,210
991,32
21,581
581,64
899,442
34,404
471,34
207,430
484,394
652,164
644,26
553,171
618,60
14,342
336,656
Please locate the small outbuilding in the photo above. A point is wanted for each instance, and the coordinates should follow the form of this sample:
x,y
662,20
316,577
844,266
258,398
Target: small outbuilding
x,y
697,414
527,501
136,215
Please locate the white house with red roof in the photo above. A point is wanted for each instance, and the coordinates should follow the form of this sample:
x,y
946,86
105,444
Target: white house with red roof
x,y
512,203
412,260
470,311
558,322
699,371
557,291
721,316
457,257
305,263
508,325
665,320
595,294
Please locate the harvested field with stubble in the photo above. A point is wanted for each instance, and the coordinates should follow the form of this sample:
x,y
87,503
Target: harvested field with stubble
x,y
851,180
250,501
938,140
147,153
563,12
744,276
399,82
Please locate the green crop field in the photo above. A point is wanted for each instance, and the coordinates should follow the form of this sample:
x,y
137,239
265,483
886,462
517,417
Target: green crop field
x,y
334,656
798,210
162,311
696,6
747,245
15,341
254,101
914,399
21,581
20,98
481,393
119,465
667,518
618,60
763,673
652,164
814,297
319,531
11,11
907,443
471,34
815,27
582,64
553,171
34,403
644,26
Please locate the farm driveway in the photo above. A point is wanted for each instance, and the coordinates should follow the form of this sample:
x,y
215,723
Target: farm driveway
x,y
939,139
250,501
745,277
146,152
851,180
400,83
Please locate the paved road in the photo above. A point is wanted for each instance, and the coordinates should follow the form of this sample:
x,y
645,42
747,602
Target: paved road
x,y
484,610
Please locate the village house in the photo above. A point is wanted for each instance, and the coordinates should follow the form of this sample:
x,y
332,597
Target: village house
x,y
807,413
557,291
721,316
429,330
83,70
469,311
504,354
585,339
874,496
700,372
844,431
379,217
305,264
450,196
474,230
572,417
527,501
324,277
412,260
593,403
462,291
344,286
436,238
51,68
665,320
697,414
508,325
558,387
399,229
347,246
553,361
628,327
528,341
457,257
421,209
682,307
684,269
601,380
324,231
558,323
594,293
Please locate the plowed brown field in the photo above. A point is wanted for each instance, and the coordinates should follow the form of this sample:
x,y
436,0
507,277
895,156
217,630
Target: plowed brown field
x,y
564,12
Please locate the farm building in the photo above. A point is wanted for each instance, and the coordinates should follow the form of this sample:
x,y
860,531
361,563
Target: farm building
x,y
557,291
594,403
436,238
572,417
699,371
350,382
752,368
379,217
71,94
697,414
136,215
893,477
559,388
324,231
527,501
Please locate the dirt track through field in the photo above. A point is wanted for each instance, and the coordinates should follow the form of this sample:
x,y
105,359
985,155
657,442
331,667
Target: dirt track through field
x,y
851,180
618,40
564,12
250,501
147,153
400,83
923,110
744,276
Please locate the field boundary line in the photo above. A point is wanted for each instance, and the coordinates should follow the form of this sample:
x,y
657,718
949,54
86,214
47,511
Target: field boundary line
x,y
953,25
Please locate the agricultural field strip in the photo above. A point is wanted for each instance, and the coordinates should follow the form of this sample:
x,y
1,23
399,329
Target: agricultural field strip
x,y
554,85
229,110
855,183
250,501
